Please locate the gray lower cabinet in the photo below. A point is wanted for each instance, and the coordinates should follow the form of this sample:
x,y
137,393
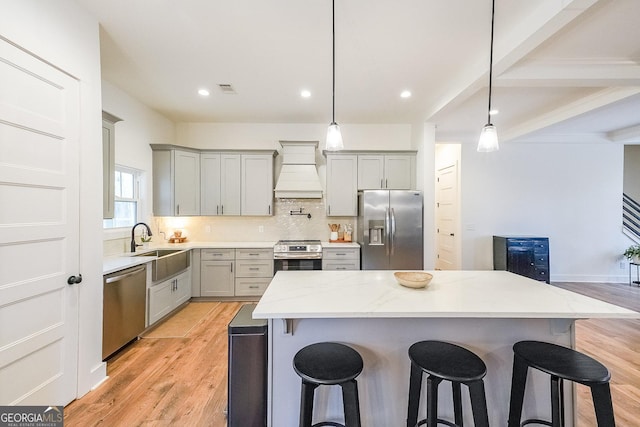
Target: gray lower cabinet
x,y
254,271
217,276
235,272
165,296
341,258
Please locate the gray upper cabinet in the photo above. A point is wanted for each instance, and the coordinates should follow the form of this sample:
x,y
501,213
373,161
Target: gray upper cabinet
x,y
176,181
220,184
108,163
257,184
393,171
212,182
230,189
342,183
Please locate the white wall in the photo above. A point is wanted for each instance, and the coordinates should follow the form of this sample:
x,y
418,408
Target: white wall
x,y
140,126
571,193
61,33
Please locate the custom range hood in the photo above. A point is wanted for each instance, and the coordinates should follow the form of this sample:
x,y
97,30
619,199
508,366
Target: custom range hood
x,y
298,177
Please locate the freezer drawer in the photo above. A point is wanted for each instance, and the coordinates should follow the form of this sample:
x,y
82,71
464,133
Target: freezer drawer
x,y
247,376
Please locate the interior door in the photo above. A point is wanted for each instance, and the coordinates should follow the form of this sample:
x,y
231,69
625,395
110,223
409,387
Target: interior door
x,y
39,175
447,257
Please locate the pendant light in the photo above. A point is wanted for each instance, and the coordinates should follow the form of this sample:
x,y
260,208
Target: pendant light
x,y
334,137
489,136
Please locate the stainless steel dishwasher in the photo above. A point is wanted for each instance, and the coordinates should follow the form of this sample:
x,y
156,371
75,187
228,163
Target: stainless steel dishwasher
x,y
124,299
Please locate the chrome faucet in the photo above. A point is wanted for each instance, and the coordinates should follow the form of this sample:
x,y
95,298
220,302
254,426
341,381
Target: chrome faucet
x,y
133,229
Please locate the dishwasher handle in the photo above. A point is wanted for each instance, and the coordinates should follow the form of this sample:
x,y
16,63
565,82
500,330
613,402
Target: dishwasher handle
x,y
124,276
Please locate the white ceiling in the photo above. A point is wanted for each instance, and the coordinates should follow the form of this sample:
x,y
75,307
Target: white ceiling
x,y
562,68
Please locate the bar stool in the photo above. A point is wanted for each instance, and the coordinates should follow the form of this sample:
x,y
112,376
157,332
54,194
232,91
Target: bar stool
x,y
445,361
329,363
560,363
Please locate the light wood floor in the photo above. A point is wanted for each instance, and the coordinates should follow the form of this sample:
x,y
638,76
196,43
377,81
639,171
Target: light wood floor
x,y
182,381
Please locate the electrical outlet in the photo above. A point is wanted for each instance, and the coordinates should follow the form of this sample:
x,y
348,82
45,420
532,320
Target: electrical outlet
x,y
207,229
623,265
261,229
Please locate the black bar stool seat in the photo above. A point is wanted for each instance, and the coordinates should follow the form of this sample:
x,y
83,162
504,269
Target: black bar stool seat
x,y
444,361
329,363
561,363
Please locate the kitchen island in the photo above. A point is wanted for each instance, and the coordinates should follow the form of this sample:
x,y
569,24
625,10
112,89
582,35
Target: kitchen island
x,y
484,311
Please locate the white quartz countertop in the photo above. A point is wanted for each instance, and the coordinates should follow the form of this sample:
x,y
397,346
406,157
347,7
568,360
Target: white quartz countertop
x,y
115,263
333,245
451,294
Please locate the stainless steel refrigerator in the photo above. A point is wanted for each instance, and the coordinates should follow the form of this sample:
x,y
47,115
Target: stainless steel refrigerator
x,y
390,229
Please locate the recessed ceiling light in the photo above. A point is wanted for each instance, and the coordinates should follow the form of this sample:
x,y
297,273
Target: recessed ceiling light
x,y
405,94
203,92
493,111
305,93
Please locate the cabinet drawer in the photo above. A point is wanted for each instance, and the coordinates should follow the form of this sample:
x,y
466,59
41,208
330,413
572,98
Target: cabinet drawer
x,y
251,287
332,254
254,254
252,268
217,254
340,265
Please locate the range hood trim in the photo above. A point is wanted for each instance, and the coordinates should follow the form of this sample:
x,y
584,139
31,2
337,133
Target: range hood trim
x,y
298,177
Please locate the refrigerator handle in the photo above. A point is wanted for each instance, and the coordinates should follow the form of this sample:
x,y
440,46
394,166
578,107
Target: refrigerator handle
x,y
393,230
387,230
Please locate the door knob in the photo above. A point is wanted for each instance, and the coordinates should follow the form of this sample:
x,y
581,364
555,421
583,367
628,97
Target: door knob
x,y
74,280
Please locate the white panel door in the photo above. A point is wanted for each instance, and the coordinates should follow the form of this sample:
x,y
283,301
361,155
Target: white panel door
x,y
447,212
39,176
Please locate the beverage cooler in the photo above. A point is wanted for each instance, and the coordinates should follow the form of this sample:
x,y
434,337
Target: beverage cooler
x,y
247,375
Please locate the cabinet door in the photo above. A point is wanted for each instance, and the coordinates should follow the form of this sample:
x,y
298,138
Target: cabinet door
x,y
370,172
161,300
210,184
230,184
108,170
187,183
217,279
398,172
342,185
182,289
257,184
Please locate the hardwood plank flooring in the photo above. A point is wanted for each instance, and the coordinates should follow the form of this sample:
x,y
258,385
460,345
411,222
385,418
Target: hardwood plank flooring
x,y
182,381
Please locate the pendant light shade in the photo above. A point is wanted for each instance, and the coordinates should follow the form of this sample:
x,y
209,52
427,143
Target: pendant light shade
x,y
488,139
489,136
334,137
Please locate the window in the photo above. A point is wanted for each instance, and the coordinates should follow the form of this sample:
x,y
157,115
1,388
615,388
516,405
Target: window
x,y
126,198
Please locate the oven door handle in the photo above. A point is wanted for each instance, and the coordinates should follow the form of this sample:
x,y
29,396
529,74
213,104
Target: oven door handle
x,y
301,256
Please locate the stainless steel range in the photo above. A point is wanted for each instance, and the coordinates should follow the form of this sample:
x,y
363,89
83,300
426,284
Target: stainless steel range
x,y
297,255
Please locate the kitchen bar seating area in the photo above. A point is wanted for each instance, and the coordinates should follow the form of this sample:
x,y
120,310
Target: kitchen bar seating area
x,y
163,208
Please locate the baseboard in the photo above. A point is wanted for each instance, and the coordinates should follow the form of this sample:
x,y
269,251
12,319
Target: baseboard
x,y
590,278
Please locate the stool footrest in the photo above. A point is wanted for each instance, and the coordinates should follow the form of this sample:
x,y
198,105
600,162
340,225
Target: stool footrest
x,y
328,424
438,421
536,421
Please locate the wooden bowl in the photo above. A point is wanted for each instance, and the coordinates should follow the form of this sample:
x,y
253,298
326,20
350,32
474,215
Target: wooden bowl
x,y
413,279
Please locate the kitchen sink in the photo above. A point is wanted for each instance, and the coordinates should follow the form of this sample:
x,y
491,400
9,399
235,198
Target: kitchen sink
x,y
168,263
159,252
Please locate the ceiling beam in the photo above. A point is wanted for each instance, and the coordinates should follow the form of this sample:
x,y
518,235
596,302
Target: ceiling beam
x,y
585,72
570,110
510,48
630,134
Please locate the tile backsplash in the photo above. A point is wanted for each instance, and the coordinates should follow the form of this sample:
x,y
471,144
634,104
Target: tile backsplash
x,y
286,223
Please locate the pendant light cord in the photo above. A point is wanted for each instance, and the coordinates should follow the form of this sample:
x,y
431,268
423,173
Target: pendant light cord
x,y
493,11
333,34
